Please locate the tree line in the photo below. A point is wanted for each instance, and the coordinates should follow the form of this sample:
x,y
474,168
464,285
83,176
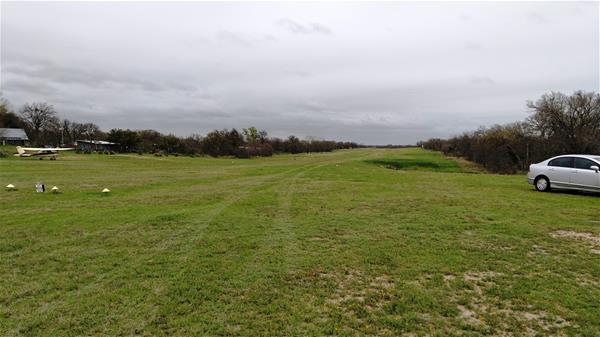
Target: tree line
x,y
43,126
557,124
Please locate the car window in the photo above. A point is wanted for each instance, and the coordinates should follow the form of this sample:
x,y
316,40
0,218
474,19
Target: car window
x,y
562,162
586,164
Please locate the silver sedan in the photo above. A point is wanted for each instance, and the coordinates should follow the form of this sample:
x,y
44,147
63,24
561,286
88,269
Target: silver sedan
x,y
569,172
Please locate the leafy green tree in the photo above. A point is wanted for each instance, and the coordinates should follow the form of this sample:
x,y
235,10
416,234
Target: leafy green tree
x,y
128,140
293,145
9,119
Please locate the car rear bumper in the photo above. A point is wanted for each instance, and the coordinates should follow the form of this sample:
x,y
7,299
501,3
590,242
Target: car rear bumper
x,y
530,180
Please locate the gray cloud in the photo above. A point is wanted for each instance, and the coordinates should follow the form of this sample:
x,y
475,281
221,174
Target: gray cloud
x,y
297,28
381,73
49,72
465,17
320,28
234,38
270,37
18,84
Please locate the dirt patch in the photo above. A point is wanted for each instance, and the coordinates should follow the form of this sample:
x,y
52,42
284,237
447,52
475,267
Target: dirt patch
x,y
476,307
449,277
354,286
381,282
481,276
592,240
539,318
468,315
589,237
537,250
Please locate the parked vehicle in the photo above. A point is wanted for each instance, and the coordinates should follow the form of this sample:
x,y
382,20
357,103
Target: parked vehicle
x,y
569,172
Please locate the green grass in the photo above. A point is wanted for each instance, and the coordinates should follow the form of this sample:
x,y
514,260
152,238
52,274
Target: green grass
x,y
293,245
419,161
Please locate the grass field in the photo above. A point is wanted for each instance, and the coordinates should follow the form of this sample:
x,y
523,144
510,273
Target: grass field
x,y
293,245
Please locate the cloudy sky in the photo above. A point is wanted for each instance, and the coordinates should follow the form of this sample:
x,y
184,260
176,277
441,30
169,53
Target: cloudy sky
x,y
375,73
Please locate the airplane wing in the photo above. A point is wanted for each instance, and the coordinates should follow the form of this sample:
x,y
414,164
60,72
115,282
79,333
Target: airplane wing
x,y
46,149
32,148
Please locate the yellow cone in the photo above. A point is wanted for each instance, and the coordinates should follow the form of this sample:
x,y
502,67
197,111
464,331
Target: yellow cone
x,y
106,190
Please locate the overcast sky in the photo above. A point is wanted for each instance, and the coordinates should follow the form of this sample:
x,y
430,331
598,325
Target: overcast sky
x,y
375,73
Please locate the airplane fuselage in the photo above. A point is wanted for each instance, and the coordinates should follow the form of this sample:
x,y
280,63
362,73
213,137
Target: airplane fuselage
x,y
40,152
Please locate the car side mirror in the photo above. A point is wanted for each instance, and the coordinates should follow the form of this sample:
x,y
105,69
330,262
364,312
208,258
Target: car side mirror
x,y
595,168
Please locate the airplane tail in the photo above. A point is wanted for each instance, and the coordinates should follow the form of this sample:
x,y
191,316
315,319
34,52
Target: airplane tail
x,y
20,150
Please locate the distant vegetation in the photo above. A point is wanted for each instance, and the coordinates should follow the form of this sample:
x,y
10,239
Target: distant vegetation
x,y
558,124
44,127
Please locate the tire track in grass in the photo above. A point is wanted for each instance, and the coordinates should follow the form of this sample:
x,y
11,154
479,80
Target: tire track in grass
x,y
187,277
285,186
180,239
183,269
284,226
182,253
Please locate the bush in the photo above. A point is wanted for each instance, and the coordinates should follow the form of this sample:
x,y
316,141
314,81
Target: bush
x,y
258,150
559,124
506,148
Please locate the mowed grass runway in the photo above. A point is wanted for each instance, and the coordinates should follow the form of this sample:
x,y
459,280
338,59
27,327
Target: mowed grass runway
x,y
293,245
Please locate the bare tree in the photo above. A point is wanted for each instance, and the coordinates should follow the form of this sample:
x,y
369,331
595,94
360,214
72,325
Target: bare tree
x,y
66,132
3,105
3,112
91,130
39,117
572,122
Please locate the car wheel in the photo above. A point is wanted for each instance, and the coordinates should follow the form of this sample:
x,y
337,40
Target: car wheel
x,y
542,184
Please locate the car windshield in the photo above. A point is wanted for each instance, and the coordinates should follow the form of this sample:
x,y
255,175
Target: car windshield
x,y
597,159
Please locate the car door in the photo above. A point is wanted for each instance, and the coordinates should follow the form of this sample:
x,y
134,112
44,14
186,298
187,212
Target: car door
x,y
560,171
584,176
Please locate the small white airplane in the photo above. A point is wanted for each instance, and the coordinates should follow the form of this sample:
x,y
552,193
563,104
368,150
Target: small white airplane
x,y
41,152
